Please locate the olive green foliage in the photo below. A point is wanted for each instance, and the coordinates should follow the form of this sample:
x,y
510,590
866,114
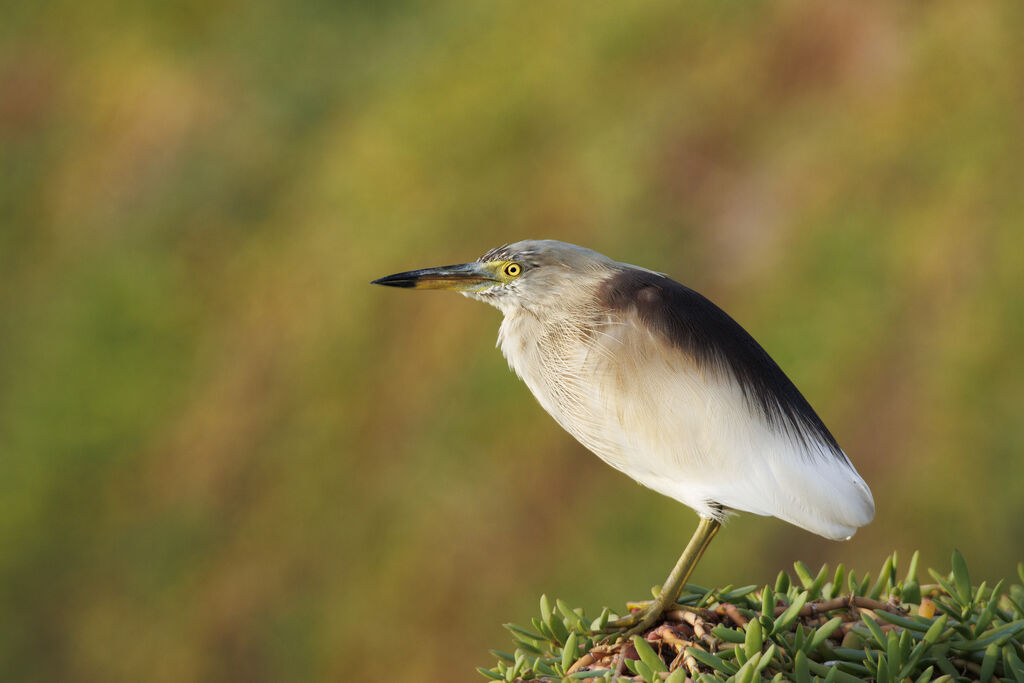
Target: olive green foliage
x,y
819,627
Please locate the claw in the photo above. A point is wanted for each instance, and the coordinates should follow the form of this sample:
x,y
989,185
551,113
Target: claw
x,y
646,619
636,623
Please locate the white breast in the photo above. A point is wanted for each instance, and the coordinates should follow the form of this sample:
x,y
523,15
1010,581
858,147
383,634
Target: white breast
x,y
650,411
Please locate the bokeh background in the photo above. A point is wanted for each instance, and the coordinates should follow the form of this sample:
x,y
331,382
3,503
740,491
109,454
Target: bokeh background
x,y
225,456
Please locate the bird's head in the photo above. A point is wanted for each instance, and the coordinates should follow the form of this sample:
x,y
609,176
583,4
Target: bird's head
x,y
527,274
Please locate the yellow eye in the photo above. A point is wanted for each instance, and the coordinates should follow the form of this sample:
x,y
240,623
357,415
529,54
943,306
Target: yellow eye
x,y
513,269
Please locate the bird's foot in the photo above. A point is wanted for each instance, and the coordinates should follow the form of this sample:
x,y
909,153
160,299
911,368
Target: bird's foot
x,y
637,622
648,614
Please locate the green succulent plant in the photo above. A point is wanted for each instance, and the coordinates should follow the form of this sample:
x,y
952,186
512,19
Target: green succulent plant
x,y
829,626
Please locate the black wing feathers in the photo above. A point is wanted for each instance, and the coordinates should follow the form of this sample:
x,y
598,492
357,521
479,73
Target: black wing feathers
x,y
701,329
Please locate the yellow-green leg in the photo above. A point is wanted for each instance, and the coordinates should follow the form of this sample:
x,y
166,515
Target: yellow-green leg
x,y
638,622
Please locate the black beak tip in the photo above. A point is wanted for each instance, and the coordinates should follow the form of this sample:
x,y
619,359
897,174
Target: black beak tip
x,y
395,281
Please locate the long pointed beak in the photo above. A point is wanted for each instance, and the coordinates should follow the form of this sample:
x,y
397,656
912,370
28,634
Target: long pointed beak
x,y
466,277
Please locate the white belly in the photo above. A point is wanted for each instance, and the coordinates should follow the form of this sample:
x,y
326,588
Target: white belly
x,y
682,430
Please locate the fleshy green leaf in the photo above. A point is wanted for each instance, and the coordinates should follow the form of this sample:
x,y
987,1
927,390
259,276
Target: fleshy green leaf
x,y
803,573
648,656
729,635
525,645
493,675
912,593
677,676
1013,663
710,660
823,632
754,639
837,580
932,635
748,671
801,669
893,652
545,608
911,659
882,673
876,631
541,667
601,622
787,618
985,618
644,672
900,621
961,578
912,569
523,632
926,675
569,613
884,576
998,636
552,621
737,593
988,664
768,602
782,582
819,581
569,651
862,589
767,657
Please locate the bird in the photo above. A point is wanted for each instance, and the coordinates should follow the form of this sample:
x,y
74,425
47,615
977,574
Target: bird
x,y
664,386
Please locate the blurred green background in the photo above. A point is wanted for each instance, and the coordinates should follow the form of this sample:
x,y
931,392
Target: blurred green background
x,y
225,456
